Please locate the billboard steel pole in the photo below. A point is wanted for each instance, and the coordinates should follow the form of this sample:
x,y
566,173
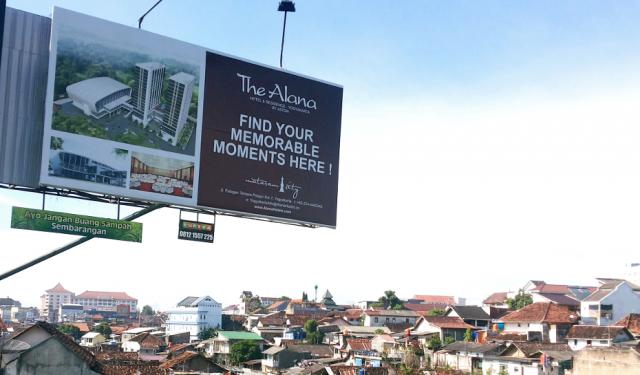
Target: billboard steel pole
x,y
75,243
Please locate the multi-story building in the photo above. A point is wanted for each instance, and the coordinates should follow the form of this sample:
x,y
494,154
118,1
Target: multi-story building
x,y
52,299
194,315
147,90
178,98
105,301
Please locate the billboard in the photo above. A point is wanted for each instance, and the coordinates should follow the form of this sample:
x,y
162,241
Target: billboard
x,y
135,114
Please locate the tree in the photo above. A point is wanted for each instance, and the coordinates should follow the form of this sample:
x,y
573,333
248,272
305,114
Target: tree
x,y
468,336
437,312
243,351
448,340
305,298
147,310
313,335
520,300
434,343
379,331
207,333
103,329
389,301
70,330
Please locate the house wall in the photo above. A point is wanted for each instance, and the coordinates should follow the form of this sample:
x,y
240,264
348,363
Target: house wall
x,y
579,344
131,346
370,321
455,361
194,319
493,367
606,361
624,301
49,358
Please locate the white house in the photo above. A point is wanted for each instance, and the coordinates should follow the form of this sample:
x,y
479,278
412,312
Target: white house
x,y
380,318
612,301
582,336
92,339
541,321
133,332
194,315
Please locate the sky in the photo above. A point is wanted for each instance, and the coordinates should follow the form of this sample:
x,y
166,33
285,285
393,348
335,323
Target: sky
x,y
484,144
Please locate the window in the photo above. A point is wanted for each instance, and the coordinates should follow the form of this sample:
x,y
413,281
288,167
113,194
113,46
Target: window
x,y
575,342
375,319
604,342
588,342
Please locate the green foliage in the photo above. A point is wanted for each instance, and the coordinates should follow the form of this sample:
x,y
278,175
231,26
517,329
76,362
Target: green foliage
x,y
243,351
305,298
207,333
434,343
437,312
285,298
147,310
389,301
379,331
503,371
448,340
521,300
77,125
103,329
313,335
468,336
70,330
56,143
310,326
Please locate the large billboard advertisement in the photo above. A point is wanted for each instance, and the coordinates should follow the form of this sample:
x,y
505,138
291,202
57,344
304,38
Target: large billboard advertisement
x,y
135,114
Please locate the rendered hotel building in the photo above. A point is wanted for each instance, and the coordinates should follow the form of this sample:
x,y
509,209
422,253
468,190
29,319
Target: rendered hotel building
x,y
178,97
99,96
147,90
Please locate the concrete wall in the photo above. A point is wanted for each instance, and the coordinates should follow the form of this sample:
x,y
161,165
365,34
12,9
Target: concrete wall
x,y
606,361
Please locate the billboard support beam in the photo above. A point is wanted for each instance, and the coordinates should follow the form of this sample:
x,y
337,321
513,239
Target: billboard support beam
x,y
75,243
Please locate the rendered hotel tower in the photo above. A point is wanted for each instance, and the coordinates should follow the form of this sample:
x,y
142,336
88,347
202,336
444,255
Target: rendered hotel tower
x,y
178,98
147,90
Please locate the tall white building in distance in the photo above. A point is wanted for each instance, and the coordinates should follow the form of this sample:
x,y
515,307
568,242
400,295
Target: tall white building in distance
x,y
194,315
178,97
52,299
147,90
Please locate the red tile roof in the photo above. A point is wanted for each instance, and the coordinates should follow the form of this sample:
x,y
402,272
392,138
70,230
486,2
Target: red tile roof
x,y
353,314
148,341
631,322
359,344
180,359
83,327
448,300
597,332
452,322
542,312
90,294
553,288
496,299
58,289
275,319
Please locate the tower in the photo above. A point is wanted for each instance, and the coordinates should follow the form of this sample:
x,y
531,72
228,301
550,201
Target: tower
x,y
147,90
178,98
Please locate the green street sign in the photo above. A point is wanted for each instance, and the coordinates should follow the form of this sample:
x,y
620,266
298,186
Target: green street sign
x,y
80,225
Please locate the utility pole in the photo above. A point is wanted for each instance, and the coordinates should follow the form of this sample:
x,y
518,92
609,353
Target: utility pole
x,y
285,6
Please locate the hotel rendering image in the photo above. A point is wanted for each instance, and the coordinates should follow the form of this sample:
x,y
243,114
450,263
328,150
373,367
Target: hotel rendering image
x,y
144,103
